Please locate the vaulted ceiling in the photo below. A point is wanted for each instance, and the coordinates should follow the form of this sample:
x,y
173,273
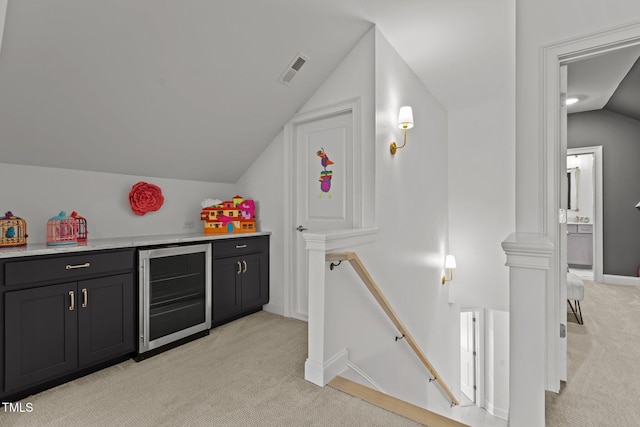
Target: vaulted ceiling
x,y
609,81
188,89
626,99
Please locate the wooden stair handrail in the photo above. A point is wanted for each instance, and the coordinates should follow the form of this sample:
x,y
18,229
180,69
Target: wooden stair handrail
x,y
384,304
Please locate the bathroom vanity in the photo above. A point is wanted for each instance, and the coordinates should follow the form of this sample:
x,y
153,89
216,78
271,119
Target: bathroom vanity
x,y
580,245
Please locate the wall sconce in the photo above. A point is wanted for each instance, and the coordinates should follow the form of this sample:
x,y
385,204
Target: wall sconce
x,y
405,121
450,263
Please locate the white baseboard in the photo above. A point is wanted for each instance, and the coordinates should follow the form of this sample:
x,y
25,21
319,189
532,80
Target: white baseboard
x,y
336,364
496,412
320,373
362,377
621,280
274,308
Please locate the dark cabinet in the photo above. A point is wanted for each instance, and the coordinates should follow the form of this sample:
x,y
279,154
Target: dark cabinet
x,y
240,277
40,337
105,318
52,330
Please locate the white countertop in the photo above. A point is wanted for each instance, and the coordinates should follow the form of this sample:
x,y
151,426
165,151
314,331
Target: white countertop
x,y
117,243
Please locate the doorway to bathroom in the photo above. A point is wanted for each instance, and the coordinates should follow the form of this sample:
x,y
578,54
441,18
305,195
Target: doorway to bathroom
x,y
584,212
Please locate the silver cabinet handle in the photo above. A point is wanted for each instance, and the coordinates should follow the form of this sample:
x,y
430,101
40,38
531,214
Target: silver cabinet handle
x,y
239,268
72,297
241,246
85,298
73,267
245,266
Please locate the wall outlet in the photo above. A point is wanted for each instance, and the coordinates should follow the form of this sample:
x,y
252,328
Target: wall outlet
x,y
188,223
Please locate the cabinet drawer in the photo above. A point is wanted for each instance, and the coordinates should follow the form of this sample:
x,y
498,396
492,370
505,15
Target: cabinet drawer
x,y
240,246
32,270
586,229
572,228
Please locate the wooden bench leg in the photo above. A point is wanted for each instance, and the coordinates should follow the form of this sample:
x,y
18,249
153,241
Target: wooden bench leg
x,y
577,311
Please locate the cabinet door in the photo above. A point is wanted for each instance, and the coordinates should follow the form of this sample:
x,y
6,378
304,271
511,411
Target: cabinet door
x,y
105,318
580,249
40,334
226,288
255,281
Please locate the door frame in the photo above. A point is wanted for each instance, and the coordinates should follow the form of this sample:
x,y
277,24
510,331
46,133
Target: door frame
x,y
352,106
3,17
597,207
552,164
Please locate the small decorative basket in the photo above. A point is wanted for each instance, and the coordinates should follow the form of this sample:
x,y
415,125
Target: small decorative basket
x,y
81,227
61,230
13,230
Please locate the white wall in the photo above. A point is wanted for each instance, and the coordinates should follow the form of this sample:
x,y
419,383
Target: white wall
x,y
481,173
481,200
37,193
481,214
264,182
407,258
411,213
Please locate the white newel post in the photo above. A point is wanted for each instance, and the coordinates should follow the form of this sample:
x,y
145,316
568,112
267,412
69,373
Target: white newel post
x,y
314,366
529,258
320,368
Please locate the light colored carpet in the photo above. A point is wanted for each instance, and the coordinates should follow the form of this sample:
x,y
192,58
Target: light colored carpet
x,y
603,387
246,373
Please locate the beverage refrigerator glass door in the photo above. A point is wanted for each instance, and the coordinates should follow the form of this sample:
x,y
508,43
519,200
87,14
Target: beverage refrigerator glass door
x,y
175,294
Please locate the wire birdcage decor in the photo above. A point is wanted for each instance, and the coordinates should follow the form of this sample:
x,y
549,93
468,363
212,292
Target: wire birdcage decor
x,y
13,230
61,230
81,227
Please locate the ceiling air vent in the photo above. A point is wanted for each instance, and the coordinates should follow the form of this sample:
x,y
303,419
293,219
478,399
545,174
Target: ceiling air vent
x,y
294,67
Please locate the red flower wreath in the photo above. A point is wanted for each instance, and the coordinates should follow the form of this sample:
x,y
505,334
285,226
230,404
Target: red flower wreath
x,y
145,197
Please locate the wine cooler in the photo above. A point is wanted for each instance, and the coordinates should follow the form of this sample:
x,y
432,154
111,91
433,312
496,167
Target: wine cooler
x,y
175,295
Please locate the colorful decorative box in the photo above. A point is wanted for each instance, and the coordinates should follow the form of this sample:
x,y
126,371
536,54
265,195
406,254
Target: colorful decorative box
x,y
231,216
13,230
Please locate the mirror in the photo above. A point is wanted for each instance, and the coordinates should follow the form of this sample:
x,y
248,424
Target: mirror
x,y
572,194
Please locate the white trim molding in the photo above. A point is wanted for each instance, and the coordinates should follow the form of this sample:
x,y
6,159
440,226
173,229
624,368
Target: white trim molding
x,y
320,373
330,240
612,279
530,259
366,377
528,250
3,17
497,412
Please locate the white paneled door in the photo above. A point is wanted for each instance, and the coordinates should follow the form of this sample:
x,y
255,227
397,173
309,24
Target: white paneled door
x,y
468,355
323,189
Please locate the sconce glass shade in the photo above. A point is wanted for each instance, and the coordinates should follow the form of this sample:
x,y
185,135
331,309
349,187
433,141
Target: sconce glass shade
x,y
405,118
450,261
